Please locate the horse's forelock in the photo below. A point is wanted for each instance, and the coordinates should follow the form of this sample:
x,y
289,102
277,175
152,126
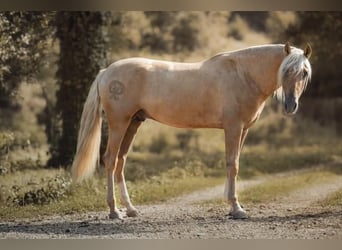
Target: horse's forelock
x,y
294,63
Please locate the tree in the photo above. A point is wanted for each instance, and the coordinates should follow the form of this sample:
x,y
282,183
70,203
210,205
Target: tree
x,y
171,31
23,41
185,33
255,19
323,30
158,38
82,55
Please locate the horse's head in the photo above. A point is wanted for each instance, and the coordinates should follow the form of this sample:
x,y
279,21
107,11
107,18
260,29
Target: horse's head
x,y
293,76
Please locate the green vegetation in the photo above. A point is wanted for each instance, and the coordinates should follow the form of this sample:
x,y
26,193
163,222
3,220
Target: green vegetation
x,y
24,41
333,200
274,188
91,195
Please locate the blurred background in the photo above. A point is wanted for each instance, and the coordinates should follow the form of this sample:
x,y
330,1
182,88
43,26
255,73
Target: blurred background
x,y
48,61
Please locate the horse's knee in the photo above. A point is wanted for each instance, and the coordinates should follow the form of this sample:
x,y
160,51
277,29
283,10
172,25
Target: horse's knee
x,y
232,169
110,162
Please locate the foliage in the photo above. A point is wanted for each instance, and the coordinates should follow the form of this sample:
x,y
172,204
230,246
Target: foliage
x,y
54,190
158,144
6,140
323,31
9,143
158,38
334,199
171,31
255,19
324,111
184,138
185,34
321,101
24,40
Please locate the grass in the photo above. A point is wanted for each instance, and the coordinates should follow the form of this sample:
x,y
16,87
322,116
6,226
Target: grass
x,y
283,186
91,196
160,191
260,160
80,199
273,188
333,200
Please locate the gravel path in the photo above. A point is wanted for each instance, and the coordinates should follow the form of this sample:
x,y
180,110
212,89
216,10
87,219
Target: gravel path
x,y
184,217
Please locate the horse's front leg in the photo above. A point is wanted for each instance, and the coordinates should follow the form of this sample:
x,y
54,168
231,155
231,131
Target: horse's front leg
x,y
233,139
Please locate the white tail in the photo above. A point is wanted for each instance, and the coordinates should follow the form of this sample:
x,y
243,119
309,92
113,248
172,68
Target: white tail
x,y
89,136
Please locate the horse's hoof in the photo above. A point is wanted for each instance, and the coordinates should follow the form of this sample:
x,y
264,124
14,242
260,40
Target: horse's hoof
x,y
115,215
132,213
238,214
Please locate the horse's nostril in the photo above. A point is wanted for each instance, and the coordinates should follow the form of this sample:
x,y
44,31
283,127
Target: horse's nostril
x,y
295,106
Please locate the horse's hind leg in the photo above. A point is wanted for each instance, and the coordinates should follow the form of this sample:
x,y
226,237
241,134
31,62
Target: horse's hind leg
x,y
119,170
115,137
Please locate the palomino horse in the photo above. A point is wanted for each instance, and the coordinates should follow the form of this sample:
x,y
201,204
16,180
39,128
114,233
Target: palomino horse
x,y
227,91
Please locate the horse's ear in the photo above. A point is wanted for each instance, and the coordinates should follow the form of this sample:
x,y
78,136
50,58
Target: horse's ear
x,y
287,48
307,51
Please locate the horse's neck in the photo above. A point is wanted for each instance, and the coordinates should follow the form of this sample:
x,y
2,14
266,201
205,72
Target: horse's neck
x,y
262,66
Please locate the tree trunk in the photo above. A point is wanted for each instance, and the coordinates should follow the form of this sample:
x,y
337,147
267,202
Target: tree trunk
x,y
82,55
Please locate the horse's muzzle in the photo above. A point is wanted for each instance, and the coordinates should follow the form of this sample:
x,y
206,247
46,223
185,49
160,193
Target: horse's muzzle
x,y
290,105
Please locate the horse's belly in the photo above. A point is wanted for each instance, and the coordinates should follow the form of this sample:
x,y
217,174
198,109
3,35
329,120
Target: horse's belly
x,y
185,116
189,124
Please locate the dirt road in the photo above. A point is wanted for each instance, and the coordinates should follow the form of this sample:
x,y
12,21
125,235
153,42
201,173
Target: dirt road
x,y
293,216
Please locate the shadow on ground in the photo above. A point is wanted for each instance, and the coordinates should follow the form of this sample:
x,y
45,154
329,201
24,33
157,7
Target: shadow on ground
x,y
205,225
